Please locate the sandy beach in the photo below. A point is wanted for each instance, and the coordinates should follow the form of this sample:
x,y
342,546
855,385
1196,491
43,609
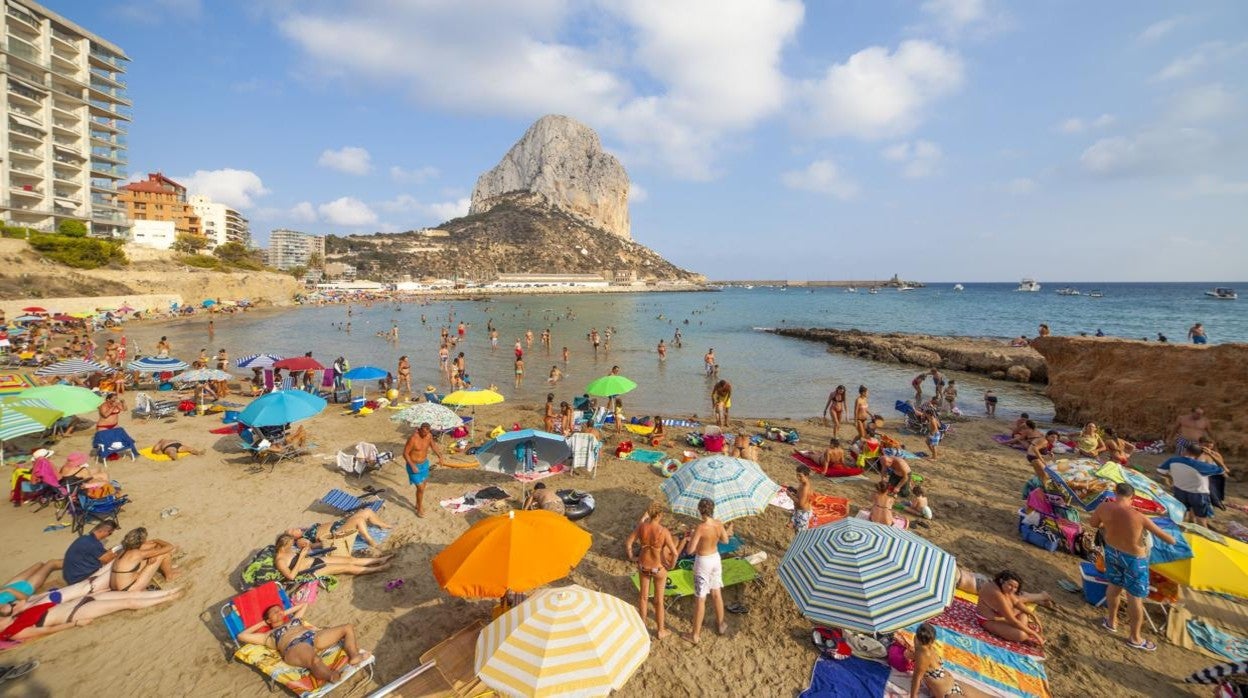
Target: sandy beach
x,y
226,512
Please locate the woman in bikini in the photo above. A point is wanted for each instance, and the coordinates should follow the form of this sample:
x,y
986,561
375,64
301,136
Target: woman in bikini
x,y
292,560
357,522
25,584
862,412
300,644
140,560
548,417
54,616
1089,442
405,374
882,504
929,668
658,552
835,407
173,448
1003,612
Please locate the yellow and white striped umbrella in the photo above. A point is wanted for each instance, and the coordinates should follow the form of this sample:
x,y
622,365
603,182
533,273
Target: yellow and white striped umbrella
x,y
563,642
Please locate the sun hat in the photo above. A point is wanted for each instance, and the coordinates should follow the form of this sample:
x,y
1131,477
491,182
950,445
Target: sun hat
x,y
42,453
76,458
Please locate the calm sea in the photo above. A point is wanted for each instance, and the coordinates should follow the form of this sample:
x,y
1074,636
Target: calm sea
x,y
772,376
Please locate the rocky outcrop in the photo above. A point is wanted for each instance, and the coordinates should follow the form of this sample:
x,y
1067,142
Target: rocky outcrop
x,y
990,357
1140,388
561,161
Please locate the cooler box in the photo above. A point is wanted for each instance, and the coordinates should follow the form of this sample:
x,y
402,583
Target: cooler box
x,y
713,443
357,404
1094,585
230,417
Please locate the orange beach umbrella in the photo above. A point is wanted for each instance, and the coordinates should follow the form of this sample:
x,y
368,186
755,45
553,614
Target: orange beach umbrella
x,y
516,551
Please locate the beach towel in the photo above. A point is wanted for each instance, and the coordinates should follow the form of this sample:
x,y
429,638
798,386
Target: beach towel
x,y
831,470
1216,641
473,500
461,462
680,580
783,500
960,616
585,450
687,423
827,509
159,457
643,429
903,453
642,455
899,685
1005,671
1004,439
846,678
899,523
541,474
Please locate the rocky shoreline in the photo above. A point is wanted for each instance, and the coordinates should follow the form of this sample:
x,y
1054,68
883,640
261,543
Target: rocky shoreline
x,y
990,357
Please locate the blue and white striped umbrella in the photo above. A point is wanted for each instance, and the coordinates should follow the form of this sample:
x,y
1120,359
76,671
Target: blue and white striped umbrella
x,y
156,364
21,416
71,367
865,576
257,361
200,375
737,486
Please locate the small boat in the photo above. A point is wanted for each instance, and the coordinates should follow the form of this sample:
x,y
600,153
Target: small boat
x,y
1068,291
1223,294
873,290
1028,285
1096,294
906,287
958,287
851,289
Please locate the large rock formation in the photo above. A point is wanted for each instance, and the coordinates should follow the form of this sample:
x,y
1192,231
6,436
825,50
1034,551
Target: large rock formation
x,y
562,161
1139,388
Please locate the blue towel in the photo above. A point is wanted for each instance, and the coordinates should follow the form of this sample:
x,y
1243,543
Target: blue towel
x,y
379,534
847,678
1220,643
1163,552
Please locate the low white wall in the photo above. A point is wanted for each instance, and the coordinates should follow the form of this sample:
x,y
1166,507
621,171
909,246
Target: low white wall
x,y
154,301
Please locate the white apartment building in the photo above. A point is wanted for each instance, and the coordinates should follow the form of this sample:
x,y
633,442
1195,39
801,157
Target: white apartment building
x,y
156,234
291,248
63,139
220,223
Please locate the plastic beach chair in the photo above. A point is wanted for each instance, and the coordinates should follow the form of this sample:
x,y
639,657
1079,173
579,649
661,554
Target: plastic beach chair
x,y
345,503
246,610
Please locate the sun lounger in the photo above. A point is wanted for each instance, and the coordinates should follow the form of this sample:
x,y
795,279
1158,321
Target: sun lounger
x,y
344,503
247,609
445,670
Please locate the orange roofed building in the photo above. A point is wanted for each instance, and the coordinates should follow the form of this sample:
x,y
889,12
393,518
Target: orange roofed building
x,y
159,198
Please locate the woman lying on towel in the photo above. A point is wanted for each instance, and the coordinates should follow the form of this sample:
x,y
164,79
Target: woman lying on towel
x,y
57,614
1002,609
929,669
356,522
173,448
300,643
292,560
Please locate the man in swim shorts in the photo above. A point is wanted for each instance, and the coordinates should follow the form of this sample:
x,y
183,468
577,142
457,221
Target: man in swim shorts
x,y
802,512
1187,429
1126,561
416,457
708,570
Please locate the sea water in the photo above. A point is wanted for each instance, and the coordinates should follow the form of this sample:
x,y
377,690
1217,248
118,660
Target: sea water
x,y
772,376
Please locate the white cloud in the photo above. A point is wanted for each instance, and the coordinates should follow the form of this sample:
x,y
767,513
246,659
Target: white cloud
x,y
437,212
956,18
235,188
824,177
918,159
1203,57
416,176
348,212
446,210
705,68
1158,29
1203,103
303,212
637,194
877,94
1078,125
351,160
1157,151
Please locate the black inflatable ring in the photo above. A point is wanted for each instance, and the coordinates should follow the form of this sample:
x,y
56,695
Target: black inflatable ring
x,y
576,505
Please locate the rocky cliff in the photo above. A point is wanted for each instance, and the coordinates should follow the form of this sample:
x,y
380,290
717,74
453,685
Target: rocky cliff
x,y
561,161
1139,388
990,357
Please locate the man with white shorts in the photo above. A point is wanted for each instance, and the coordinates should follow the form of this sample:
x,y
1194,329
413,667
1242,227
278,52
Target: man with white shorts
x,y
708,569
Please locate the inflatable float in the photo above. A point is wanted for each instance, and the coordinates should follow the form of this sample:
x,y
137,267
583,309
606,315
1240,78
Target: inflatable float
x,y
833,470
455,461
576,505
666,467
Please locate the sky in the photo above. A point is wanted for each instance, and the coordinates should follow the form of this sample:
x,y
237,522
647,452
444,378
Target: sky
x,y
942,140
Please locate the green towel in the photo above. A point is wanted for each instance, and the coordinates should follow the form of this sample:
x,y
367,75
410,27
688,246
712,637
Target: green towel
x,y
680,581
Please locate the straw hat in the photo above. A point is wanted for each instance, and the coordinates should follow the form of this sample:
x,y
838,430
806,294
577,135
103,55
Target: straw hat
x,y
42,453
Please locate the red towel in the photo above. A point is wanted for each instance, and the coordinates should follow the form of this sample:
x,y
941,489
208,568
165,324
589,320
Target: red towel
x,y
833,470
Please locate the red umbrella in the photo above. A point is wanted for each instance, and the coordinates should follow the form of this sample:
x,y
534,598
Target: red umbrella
x,y
299,363
33,309
61,317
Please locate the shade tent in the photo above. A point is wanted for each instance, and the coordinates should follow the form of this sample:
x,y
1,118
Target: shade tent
x,y
157,364
738,487
280,408
1218,564
517,551
563,642
864,576
520,451
67,399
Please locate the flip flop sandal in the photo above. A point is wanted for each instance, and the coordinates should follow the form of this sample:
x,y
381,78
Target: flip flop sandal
x,y
737,608
1067,585
1105,626
19,671
1145,646
394,584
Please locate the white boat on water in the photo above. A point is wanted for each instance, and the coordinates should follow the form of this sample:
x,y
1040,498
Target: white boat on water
x,y
1068,291
1028,285
1223,294
851,289
1096,294
958,287
906,287
873,290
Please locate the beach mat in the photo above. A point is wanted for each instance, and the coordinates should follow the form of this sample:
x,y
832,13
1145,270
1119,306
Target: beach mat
x,y
159,457
1009,672
827,509
680,581
643,429
960,616
687,423
899,522
852,677
832,470
1004,440
642,455
379,534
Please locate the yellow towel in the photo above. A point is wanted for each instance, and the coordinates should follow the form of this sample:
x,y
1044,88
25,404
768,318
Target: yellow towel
x,y
147,453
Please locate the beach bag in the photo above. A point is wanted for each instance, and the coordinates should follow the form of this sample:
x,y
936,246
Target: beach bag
x,y
713,443
1039,537
897,658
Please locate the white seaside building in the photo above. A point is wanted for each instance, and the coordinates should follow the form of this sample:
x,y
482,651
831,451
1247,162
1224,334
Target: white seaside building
x,y
291,248
63,141
548,281
220,223
158,235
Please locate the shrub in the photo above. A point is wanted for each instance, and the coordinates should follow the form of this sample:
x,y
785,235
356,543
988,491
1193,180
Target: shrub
x,y
72,229
202,261
81,253
17,232
238,256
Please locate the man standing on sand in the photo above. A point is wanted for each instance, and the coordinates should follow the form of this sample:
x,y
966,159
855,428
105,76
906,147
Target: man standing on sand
x,y
802,512
658,550
708,569
862,412
1189,429
416,457
1126,561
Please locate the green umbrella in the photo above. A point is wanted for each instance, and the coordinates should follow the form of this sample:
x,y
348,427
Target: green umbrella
x,y
20,417
69,399
610,386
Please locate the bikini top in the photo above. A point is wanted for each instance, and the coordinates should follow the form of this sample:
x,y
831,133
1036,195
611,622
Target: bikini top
x,y
280,631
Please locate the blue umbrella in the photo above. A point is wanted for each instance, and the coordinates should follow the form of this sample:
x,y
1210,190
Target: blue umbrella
x,y
280,408
520,451
738,487
257,361
156,364
208,303
365,373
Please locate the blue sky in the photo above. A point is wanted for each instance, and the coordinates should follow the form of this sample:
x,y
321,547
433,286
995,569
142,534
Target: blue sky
x,y
956,140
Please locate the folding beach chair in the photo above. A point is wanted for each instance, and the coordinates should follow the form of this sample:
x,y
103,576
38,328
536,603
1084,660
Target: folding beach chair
x,y
146,408
345,503
445,670
84,510
365,459
247,609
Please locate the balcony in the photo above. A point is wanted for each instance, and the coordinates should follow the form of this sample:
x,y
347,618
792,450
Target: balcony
x,y
102,108
103,184
113,94
65,37
74,93
65,65
108,77
19,90
27,112
105,122
107,217
25,153
29,191
18,48
107,141
66,176
107,170
98,55
73,158
16,129
26,171
24,19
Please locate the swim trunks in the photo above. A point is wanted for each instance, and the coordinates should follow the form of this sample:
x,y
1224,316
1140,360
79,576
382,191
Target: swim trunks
x,y
1200,339
708,574
933,438
1181,444
1127,571
417,474
1199,503
802,519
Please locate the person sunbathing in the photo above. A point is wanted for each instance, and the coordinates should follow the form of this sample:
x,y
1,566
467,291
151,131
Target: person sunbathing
x,y
929,668
174,448
25,584
292,560
1003,612
139,561
1117,449
882,504
54,615
300,643
76,466
1089,443
355,522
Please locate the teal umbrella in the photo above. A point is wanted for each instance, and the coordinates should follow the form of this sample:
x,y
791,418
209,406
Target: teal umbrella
x,y
610,386
69,399
19,417
280,408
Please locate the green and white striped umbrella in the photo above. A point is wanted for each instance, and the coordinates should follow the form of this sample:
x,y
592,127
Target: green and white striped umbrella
x,y
737,486
865,576
439,417
19,417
